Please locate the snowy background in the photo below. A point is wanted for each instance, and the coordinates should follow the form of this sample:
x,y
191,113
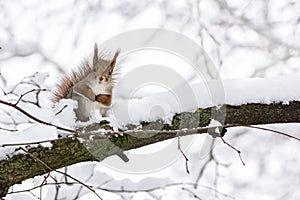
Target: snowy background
x,y
243,38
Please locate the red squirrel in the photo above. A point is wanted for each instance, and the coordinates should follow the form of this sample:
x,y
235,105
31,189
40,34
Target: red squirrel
x,y
90,86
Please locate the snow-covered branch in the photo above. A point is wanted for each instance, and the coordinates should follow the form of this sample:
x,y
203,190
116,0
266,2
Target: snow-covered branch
x,y
67,151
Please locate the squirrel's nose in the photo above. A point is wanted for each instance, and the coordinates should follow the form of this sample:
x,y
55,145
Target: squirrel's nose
x,y
103,79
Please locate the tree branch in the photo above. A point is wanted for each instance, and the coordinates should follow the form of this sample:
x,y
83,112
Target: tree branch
x,y
68,151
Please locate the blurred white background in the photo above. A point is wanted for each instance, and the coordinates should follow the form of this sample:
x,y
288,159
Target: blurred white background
x,y
244,38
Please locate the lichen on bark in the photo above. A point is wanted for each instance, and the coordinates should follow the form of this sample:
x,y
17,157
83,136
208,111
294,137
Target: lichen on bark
x,y
68,151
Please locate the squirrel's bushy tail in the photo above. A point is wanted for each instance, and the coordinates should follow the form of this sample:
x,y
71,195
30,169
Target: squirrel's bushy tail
x,y
67,82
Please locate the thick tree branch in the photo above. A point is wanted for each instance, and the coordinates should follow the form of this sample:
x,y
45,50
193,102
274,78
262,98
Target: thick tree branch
x,y
68,151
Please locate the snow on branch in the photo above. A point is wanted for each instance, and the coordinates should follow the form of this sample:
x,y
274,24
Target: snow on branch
x,y
70,150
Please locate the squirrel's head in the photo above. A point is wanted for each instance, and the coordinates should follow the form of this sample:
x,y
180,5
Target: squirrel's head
x,y
104,69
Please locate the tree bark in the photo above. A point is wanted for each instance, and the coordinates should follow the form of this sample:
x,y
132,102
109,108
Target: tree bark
x,y
68,151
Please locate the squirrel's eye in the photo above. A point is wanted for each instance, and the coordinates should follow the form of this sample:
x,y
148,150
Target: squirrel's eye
x,y
109,73
101,79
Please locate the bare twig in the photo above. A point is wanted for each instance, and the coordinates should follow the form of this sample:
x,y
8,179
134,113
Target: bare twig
x,y
27,143
211,158
13,121
3,91
28,80
7,129
30,91
232,147
185,157
122,190
50,169
191,192
200,174
164,187
34,118
43,183
271,130
65,106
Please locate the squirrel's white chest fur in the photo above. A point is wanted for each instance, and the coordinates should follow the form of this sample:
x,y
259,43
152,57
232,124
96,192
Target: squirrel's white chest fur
x,y
85,105
103,88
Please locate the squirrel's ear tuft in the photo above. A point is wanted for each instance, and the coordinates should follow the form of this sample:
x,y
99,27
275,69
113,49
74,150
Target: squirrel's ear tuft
x,y
96,55
114,60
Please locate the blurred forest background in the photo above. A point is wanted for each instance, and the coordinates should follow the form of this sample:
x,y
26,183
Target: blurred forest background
x,y
244,38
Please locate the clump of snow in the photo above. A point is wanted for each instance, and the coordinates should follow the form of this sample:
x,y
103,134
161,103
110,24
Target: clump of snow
x,y
95,117
214,123
35,133
262,90
63,113
190,96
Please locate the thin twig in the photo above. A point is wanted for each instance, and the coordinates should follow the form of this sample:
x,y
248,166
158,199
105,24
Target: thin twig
x,y
65,106
28,143
38,186
204,166
6,129
43,183
185,157
3,91
232,147
34,118
30,91
50,169
191,192
274,131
